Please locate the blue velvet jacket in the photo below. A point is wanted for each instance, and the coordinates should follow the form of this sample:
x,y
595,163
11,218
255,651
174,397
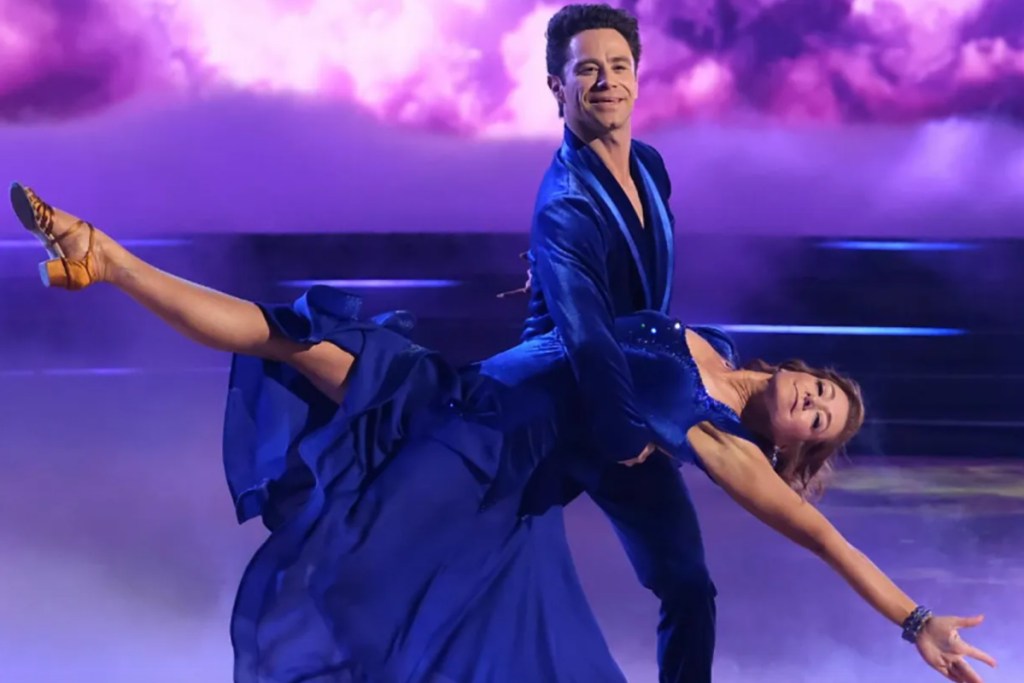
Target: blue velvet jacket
x,y
591,261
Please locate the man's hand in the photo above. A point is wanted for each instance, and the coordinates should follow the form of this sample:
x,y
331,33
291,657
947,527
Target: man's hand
x,y
525,289
639,460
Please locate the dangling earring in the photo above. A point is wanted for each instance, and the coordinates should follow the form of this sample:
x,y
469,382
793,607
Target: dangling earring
x,y
774,457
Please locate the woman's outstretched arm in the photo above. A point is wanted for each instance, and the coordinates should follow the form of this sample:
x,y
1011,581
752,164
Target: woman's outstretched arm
x,y
744,473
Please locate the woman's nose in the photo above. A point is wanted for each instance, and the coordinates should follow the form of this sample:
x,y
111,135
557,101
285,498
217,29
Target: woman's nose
x,y
810,400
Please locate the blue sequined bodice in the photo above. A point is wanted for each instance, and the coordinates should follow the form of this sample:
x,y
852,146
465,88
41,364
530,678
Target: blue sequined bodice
x,y
535,378
666,380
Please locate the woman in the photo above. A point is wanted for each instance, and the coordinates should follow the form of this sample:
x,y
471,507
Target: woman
x,y
393,483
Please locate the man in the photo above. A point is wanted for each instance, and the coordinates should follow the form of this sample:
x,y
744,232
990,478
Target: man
x,y
602,246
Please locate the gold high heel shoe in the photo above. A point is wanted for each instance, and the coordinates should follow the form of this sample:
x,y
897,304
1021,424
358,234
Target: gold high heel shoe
x,y
37,217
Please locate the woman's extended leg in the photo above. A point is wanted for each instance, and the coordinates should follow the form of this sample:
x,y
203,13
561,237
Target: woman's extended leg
x,y
82,255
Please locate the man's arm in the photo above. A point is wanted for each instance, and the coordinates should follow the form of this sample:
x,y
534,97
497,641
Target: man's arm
x,y
570,261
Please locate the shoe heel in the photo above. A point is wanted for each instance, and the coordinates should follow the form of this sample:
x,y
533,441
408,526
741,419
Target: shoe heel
x,y
53,273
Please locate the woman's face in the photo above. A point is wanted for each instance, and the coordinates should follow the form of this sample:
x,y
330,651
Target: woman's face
x,y
805,408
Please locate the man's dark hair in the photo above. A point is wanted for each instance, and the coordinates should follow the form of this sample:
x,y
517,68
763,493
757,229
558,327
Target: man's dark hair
x,y
573,19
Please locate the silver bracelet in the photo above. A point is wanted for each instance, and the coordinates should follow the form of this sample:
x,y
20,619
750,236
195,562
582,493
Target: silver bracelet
x,y
913,625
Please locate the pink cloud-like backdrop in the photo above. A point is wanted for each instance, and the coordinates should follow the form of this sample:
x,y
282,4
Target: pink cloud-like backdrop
x,y
477,67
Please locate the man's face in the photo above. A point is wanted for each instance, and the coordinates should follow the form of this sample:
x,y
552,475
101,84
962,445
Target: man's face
x,y
598,85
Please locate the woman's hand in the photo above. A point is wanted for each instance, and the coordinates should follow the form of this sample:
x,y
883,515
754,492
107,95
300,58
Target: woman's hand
x,y
945,651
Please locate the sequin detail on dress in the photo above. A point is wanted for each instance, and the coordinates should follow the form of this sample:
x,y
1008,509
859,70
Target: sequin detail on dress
x,y
655,338
670,340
